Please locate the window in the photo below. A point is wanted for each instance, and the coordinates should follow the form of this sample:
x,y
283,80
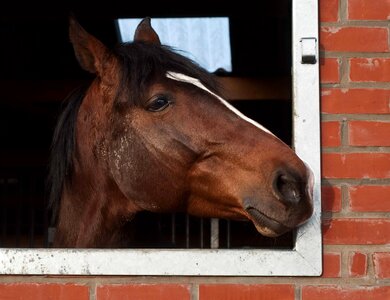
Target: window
x,y
303,258
204,40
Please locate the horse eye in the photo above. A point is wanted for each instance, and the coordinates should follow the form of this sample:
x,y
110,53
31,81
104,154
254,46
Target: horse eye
x,y
158,104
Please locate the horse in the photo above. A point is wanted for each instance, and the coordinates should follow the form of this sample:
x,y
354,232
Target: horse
x,y
153,132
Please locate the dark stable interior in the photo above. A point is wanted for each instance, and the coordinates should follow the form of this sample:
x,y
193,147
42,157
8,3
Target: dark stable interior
x,y
38,69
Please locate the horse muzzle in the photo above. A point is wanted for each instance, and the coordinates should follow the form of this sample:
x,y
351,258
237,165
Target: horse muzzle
x,y
289,205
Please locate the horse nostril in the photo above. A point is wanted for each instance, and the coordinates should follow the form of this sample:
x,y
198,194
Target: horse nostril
x,y
288,188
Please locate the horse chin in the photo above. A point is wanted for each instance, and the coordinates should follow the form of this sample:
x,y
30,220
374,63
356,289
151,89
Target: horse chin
x,y
266,225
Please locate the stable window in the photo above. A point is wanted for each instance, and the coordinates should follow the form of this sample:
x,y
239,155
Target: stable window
x,y
197,246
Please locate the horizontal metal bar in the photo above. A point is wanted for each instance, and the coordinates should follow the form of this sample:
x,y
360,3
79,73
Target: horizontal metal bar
x,y
155,262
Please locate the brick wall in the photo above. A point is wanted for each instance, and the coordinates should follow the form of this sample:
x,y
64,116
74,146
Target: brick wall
x,y
355,76
355,101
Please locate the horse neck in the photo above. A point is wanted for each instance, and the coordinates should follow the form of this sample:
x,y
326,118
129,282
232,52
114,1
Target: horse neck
x,y
92,211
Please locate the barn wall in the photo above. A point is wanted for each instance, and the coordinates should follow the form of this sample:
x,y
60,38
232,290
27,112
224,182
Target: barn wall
x,y
355,76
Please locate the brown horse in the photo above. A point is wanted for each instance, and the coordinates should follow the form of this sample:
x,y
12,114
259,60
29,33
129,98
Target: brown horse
x,y
152,133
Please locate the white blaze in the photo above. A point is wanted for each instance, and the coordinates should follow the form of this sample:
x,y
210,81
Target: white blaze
x,y
196,82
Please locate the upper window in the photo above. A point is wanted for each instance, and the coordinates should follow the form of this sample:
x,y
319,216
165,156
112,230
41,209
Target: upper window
x,y
204,40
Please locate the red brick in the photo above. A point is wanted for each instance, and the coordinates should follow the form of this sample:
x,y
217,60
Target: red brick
x,y
329,10
369,198
331,198
246,292
355,101
370,69
330,134
344,293
329,70
357,265
368,9
356,165
43,291
331,265
369,133
354,39
143,292
382,265
356,231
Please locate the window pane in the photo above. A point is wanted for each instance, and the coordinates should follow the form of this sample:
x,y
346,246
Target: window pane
x,y
204,40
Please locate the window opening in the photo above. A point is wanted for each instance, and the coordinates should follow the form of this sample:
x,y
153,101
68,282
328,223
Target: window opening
x,y
267,80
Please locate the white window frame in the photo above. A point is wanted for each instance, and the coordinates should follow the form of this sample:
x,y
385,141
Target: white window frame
x,y
305,259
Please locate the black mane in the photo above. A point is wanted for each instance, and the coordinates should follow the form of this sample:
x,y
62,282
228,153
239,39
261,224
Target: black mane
x,y
62,149
142,64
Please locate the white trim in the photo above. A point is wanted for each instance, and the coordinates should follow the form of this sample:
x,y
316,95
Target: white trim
x,y
155,262
306,124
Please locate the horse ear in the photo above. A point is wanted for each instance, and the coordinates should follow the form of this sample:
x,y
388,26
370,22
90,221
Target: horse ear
x,y
89,51
146,33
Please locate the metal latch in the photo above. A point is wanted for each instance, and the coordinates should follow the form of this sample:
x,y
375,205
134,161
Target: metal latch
x,y
309,50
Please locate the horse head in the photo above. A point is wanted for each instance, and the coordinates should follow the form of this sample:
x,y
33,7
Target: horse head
x,y
154,133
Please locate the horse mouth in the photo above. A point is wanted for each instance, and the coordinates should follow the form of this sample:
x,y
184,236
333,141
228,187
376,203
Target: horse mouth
x,y
266,225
